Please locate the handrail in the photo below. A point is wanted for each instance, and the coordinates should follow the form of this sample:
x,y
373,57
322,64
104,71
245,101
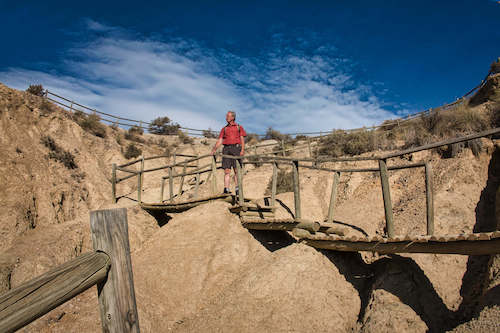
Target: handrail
x,y
109,267
31,300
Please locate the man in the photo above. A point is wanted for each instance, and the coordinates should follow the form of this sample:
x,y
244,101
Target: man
x,y
232,136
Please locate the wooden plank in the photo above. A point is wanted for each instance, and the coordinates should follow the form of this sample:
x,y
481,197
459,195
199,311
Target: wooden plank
x,y
477,247
33,299
429,195
296,189
386,193
333,197
118,308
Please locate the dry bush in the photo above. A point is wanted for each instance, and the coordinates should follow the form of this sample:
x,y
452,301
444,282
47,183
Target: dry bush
x,y
135,130
284,182
495,66
134,138
35,89
59,154
209,134
46,107
132,151
252,138
163,126
90,123
185,138
276,135
344,143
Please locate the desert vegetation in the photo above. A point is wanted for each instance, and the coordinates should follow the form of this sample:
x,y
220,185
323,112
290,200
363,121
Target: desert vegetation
x,y
90,123
429,127
132,151
59,154
164,126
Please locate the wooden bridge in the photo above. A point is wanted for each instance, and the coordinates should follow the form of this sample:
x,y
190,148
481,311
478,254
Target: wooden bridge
x,y
325,234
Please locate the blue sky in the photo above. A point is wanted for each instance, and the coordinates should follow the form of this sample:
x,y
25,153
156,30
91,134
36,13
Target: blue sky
x,y
292,65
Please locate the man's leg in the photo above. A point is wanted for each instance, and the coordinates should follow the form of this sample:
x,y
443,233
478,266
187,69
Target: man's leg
x,y
227,178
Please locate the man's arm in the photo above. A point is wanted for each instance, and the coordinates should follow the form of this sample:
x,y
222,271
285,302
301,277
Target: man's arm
x,y
217,145
242,138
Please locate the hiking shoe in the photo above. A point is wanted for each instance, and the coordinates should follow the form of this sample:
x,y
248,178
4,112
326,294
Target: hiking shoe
x,y
236,191
226,191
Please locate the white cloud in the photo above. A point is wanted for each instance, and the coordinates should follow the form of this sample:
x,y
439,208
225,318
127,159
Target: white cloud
x,y
144,79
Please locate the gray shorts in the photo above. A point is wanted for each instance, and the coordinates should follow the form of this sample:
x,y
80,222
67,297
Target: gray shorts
x,y
234,150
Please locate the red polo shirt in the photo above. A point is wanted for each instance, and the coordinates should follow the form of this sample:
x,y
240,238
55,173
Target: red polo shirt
x,y
230,135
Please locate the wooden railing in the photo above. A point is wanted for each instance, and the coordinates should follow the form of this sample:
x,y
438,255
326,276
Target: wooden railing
x,y
109,267
314,163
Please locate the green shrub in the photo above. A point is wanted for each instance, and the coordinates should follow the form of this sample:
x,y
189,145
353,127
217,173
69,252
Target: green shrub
x,y
284,182
59,154
132,151
36,89
163,126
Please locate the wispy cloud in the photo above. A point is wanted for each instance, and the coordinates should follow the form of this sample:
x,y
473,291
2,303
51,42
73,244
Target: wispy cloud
x,y
302,88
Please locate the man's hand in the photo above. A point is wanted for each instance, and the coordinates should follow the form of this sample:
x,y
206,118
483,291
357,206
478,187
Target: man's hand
x,y
242,152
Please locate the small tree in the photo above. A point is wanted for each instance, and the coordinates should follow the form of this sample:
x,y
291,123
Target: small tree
x,y
35,89
163,126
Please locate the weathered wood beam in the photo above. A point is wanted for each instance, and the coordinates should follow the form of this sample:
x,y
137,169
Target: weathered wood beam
x,y
386,193
464,247
116,295
31,300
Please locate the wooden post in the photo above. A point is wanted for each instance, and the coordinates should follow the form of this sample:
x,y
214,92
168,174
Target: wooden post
x,y
333,197
239,175
429,194
274,183
162,189
214,175
118,309
113,183
255,150
296,189
171,183
182,179
386,192
283,147
139,181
